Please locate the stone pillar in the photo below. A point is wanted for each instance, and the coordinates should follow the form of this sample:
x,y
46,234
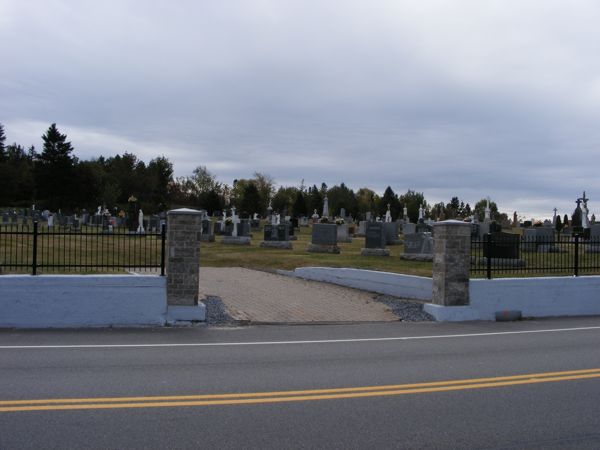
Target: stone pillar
x,y
184,227
451,262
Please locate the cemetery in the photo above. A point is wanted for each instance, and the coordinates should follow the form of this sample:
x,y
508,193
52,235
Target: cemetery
x,y
45,242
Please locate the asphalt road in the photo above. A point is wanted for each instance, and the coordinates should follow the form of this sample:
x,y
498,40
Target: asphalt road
x,y
395,385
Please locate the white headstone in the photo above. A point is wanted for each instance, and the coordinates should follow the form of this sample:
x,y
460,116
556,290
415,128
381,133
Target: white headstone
x,y
325,207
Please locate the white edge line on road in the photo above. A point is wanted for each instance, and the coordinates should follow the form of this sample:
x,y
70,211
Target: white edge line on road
x,y
320,341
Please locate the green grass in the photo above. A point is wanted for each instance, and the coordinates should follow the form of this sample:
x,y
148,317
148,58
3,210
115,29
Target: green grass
x,y
215,254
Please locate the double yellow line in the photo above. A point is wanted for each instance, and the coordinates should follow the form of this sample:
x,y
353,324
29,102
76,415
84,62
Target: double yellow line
x,y
291,396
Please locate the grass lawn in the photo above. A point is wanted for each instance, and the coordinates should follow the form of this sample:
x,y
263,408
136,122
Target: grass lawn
x,y
215,254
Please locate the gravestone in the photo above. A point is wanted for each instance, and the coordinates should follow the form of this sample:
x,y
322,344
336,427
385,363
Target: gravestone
x,y
291,231
362,229
277,236
501,246
539,239
244,228
324,238
375,240
5,219
207,232
409,228
593,244
390,230
418,247
342,233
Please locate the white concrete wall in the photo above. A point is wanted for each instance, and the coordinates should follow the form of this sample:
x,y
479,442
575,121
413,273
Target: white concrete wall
x,y
398,285
63,301
533,297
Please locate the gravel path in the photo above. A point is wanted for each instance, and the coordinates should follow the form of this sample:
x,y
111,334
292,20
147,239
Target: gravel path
x,y
236,295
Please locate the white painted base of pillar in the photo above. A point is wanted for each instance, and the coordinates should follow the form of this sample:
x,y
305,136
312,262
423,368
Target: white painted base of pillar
x,y
451,313
179,314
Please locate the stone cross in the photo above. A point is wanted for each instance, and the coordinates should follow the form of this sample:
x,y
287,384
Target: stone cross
x,y
554,217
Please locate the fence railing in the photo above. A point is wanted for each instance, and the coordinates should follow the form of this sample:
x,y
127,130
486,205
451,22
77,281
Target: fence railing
x,y
35,248
504,254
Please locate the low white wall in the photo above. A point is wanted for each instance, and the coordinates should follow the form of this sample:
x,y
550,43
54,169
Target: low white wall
x,y
63,301
533,297
398,285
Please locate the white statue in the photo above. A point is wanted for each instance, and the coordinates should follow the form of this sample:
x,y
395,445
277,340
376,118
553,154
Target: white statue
x,y
140,228
405,213
388,215
315,215
277,219
255,217
421,213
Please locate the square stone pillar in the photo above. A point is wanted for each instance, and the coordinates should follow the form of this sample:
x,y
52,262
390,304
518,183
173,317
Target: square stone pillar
x,y
184,229
451,263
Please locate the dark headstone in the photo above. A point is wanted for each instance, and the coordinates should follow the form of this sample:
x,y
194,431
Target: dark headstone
x,y
244,228
324,234
375,235
418,243
501,246
390,230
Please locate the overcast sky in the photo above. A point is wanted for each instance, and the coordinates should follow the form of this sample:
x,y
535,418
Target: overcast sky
x,y
449,98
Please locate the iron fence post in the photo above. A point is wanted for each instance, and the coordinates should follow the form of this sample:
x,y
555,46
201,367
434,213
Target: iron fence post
x,y
35,238
163,238
576,262
488,248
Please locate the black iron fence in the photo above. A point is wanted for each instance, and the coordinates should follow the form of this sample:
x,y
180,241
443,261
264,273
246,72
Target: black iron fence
x,y
506,254
35,249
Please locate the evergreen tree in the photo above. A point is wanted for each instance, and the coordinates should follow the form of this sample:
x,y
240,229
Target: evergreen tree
x,y
566,221
2,140
299,208
558,225
390,198
55,170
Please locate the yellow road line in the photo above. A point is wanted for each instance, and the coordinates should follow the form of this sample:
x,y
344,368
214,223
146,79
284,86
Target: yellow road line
x,y
292,396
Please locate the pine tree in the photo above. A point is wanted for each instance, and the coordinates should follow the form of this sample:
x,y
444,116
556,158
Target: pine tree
x,y
55,171
2,140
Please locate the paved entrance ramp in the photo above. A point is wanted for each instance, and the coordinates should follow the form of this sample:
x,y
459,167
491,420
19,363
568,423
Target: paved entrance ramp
x,y
256,296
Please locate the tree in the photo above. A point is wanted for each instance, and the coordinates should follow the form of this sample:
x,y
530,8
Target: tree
x,y
390,198
413,201
55,170
266,188
480,207
299,208
341,197
453,209
314,200
251,201
2,140
159,174
558,225
284,199
366,200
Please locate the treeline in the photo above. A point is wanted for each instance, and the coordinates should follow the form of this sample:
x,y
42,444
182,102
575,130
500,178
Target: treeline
x,y
55,178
